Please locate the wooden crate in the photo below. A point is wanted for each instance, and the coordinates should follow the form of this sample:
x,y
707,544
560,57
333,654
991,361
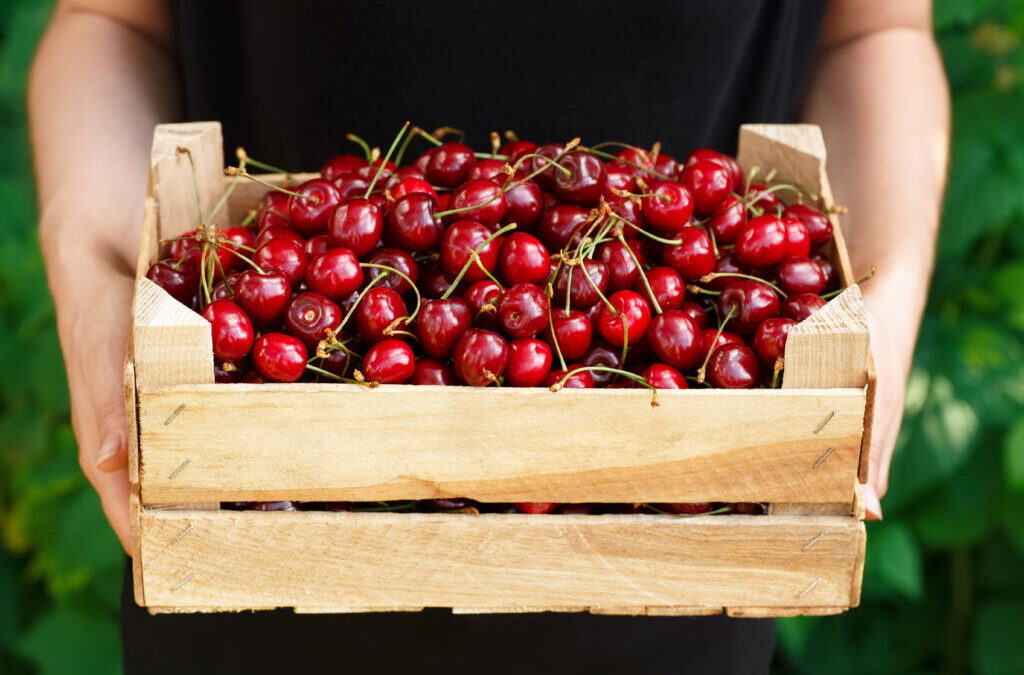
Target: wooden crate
x,y
196,444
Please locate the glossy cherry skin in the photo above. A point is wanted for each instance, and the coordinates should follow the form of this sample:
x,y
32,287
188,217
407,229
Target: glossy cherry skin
x,y
525,203
585,182
336,273
800,275
457,247
767,202
449,165
668,287
440,325
264,297
483,200
309,315
410,185
181,281
410,223
389,361
709,184
574,333
762,243
754,302
622,270
309,213
635,160
770,339
799,307
337,362
660,376
398,259
734,366
693,257
240,240
316,246
279,357
602,354
675,338
523,311
232,330
225,290
356,224
542,165
729,221
711,340
523,259
480,357
827,269
284,256
430,371
666,164
273,216
529,362
669,207
516,149
725,265
488,169
708,154
341,165
582,293
535,508
619,178
377,311
633,316
280,232
559,224
579,380
352,185
818,224
798,237
696,312
482,298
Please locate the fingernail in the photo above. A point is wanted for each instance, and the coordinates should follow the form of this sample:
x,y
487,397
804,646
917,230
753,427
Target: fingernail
x,y
108,451
872,505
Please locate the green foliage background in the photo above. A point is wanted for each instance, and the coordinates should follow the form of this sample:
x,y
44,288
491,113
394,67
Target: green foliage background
x,y
943,587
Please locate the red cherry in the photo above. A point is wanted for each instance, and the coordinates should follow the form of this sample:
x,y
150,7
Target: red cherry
x,y
352,185
525,203
675,338
660,376
558,225
226,289
449,164
232,330
729,221
762,243
284,256
734,366
726,264
827,269
585,182
401,261
770,339
523,311
457,247
529,362
580,380
693,257
240,240
729,163
410,185
309,213
429,371
687,509
668,287
754,302
377,311
580,288
666,164
573,332
767,202
695,312
264,297
279,357
273,216
709,183
670,206
818,224
316,246
798,237
389,361
535,507
280,232
480,357
181,281
622,271
547,154
482,298
800,275
422,161
335,274
620,177
433,283
309,315
634,160
516,149
711,340
631,319
410,223
602,354
356,224
440,325
341,165
799,307
523,259
337,362
484,200
487,169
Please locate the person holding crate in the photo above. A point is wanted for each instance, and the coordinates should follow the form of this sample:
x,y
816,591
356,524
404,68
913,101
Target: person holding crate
x,y
289,80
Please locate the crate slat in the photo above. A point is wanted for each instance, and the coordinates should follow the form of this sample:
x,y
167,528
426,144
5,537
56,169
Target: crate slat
x,y
171,174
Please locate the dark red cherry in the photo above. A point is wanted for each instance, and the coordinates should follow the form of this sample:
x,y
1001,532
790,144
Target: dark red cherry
x,y
584,183
441,323
433,283
487,169
523,311
284,256
516,149
729,221
762,243
457,247
827,269
335,274
309,213
631,211
529,362
378,311
669,288
480,357
709,184
558,225
410,185
674,337
818,224
337,362
273,216
402,174
227,372
708,154
770,339
352,185
636,160
693,257
631,318
449,164
264,297
389,361
799,307
401,261
582,379
798,237
734,366
430,371
341,165
727,264
181,281
279,357
661,376
523,260
711,340
238,239
226,289
622,270
535,508
280,232
422,161
483,200
669,206
768,202
309,315
695,312
580,282
754,302
316,246
619,178
800,275
482,298
232,330
357,225
602,354
542,165
685,509
410,223
573,333
525,203
666,164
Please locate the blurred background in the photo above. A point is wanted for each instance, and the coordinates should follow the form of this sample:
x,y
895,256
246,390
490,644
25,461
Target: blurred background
x,y
944,579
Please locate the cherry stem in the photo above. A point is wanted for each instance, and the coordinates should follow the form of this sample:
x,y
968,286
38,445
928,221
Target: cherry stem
x,y
321,371
248,260
558,386
359,299
654,237
203,283
195,181
693,288
233,171
775,374
401,149
608,155
361,143
643,275
597,290
707,357
750,199
554,336
869,277
441,132
424,134
224,276
384,506
249,217
476,251
739,275
390,269
383,162
714,512
487,273
231,188
640,195
245,158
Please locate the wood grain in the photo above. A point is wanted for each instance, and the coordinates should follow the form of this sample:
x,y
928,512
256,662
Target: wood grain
x,y
830,348
344,442
170,342
171,174
383,560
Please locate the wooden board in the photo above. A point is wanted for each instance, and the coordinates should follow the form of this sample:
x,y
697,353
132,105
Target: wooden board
x,y
830,347
344,442
497,562
184,186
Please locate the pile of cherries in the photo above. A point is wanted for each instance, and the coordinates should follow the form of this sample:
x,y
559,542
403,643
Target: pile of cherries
x,y
531,265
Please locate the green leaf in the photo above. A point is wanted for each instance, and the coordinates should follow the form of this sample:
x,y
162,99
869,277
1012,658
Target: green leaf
x,y
1013,455
67,640
893,564
997,647
10,608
